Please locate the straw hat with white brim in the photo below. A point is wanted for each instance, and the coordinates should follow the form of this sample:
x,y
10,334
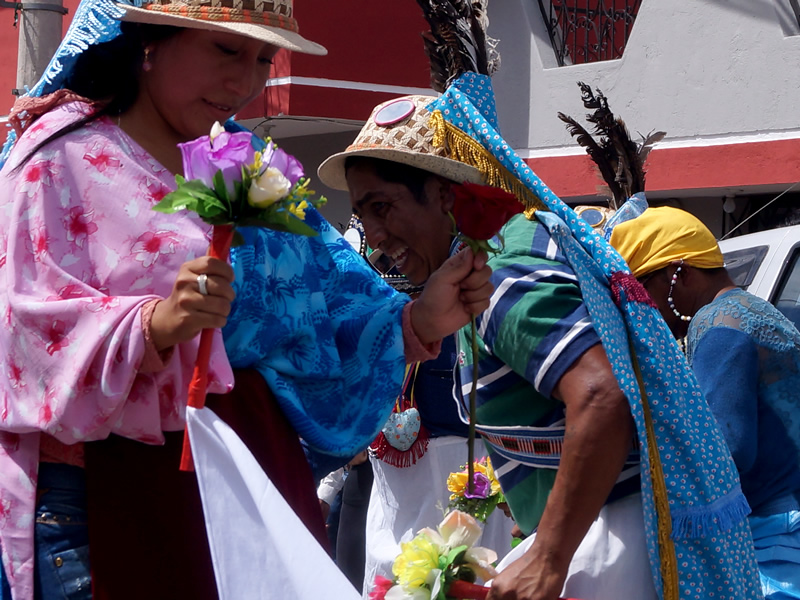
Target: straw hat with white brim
x,y
269,21
399,131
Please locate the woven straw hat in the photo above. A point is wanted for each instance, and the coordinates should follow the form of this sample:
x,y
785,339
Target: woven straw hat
x,y
269,21
399,130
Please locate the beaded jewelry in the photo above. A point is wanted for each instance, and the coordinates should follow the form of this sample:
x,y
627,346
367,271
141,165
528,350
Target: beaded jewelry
x,y
670,301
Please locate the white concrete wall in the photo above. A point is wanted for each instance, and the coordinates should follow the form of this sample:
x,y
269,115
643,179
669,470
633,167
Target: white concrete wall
x,y
698,69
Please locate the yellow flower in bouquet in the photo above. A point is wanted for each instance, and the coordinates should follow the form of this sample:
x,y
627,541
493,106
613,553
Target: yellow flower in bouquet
x,y
417,559
457,484
496,489
299,210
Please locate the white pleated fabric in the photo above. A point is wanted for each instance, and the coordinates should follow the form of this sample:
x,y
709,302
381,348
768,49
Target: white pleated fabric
x,y
612,560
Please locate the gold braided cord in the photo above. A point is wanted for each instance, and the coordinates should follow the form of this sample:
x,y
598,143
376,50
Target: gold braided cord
x,y
463,148
666,547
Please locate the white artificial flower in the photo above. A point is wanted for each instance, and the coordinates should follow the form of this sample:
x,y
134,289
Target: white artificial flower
x,y
434,580
216,129
480,560
459,529
268,188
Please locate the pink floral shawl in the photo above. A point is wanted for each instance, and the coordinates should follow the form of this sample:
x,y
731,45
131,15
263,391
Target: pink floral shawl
x,y
80,254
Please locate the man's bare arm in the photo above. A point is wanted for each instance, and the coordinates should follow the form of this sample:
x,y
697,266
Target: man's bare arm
x,y
597,440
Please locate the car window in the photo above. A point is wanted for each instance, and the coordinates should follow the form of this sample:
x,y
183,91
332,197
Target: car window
x,y
787,296
743,264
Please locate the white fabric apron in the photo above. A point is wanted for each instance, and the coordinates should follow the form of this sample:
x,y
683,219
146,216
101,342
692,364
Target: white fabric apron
x,y
611,561
403,501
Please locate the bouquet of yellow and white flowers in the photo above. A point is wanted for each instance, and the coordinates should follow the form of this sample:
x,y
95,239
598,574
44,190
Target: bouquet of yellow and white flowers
x,y
485,494
440,564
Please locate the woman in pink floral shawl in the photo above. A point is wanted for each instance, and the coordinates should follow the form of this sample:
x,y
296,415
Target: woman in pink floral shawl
x,y
101,297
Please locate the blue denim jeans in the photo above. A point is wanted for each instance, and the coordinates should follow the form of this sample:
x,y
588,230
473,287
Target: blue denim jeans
x,y
61,537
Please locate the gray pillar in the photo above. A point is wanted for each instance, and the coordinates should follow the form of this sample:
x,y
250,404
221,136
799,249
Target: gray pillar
x,y
39,37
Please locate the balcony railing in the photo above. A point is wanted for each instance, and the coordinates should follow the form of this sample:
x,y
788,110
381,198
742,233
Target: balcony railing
x,y
584,31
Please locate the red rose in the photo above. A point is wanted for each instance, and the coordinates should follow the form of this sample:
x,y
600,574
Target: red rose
x,y
380,588
481,211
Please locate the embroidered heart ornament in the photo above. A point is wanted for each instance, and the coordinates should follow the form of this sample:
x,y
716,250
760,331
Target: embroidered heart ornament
x,y
402,429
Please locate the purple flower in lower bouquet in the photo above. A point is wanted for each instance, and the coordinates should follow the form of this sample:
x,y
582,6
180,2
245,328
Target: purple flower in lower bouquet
x,y
481,486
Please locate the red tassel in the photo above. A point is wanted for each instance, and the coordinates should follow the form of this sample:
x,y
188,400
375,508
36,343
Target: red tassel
x,y
221,238
388,453
397,458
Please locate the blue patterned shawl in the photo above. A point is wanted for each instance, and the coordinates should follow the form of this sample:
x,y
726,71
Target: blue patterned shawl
x,y
322,328
699,542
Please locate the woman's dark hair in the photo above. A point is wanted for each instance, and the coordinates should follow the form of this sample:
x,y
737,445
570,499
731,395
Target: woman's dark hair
x,y
393,172
108,74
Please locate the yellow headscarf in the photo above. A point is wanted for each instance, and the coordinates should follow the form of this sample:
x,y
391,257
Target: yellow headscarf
x,y
661,236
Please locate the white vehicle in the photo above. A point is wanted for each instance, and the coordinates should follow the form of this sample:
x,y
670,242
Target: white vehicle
x,y
766,264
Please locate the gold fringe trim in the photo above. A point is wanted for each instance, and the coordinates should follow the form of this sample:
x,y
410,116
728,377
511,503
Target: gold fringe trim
x,y
666,547
463,148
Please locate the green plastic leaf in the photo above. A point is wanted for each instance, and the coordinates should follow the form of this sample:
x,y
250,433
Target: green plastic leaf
x,y
220,189
174,202
456,555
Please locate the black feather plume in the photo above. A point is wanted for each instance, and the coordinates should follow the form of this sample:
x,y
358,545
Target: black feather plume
x,y
619,159
457,40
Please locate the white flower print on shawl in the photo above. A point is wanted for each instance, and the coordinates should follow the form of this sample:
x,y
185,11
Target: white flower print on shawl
x,y
81,252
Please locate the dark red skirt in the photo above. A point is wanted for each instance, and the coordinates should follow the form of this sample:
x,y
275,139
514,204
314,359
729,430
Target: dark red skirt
x,y
146,531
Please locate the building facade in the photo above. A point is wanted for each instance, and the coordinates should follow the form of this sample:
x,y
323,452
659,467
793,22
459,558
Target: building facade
x,y
720,77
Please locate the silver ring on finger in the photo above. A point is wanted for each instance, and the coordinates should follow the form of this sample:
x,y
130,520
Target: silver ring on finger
x,y
202,281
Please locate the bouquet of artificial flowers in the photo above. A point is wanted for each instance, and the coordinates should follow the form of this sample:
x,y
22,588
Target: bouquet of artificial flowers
x,y
440,564
235,179
485,494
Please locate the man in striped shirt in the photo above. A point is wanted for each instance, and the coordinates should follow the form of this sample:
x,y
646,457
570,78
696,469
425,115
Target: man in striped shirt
x,y
540,364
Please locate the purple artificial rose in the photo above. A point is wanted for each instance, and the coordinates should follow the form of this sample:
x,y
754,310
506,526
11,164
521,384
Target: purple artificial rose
x,y
481,487
287,164
228,153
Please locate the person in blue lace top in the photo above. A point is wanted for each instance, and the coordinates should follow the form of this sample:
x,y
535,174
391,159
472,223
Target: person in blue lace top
x,y
746,356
